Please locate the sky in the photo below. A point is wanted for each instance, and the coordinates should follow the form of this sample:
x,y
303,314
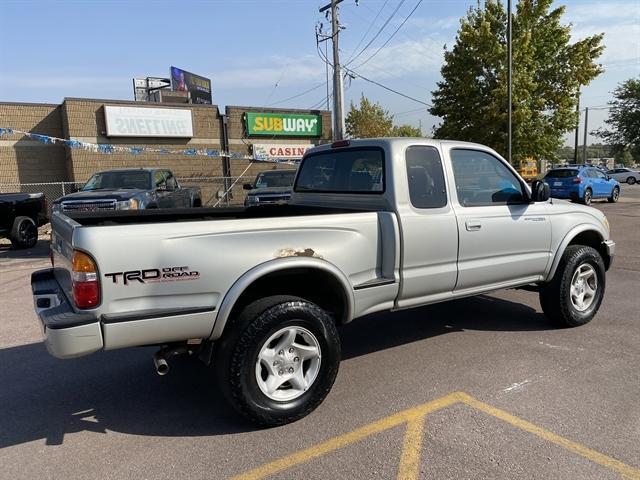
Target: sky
x,y
260,53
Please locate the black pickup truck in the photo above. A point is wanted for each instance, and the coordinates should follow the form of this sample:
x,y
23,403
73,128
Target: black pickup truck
x,y
130,189
20,216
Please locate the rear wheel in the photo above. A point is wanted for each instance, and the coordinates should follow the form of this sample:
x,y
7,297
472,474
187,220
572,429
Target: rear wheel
x,y
615,195
631,180
24,233
587,197
573,296
278,360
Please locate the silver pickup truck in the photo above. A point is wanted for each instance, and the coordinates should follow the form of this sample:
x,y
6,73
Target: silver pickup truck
x,y
258,293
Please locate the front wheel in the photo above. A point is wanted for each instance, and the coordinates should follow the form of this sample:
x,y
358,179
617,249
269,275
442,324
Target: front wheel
x,y
573,296
631,180
278,360
615,195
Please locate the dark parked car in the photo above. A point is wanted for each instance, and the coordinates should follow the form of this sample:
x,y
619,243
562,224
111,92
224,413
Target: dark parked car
x,y
20,216
130,189
272,187
582,184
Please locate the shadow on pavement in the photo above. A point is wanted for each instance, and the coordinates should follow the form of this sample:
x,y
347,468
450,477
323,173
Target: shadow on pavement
x,y
46,398
40,251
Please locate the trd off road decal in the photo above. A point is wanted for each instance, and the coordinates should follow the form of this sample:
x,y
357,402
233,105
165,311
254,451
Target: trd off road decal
x,y
154,275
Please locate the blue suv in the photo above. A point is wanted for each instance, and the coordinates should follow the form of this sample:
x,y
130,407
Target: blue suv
x,y
582,183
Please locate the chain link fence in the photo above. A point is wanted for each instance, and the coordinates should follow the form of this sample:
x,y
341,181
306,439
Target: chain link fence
x,y
212,189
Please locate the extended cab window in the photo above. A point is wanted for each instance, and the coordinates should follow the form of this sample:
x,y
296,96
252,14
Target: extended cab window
x,y
482,179
426,178
347,170
159,179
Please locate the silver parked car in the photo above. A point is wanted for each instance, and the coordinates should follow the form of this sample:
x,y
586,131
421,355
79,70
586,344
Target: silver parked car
x,y
625,175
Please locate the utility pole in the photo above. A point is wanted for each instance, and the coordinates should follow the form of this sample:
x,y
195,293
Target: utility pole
x,y
509,86
584,143
575,146
338,106
326,71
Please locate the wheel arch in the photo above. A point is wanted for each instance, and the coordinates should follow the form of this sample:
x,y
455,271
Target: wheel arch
x,y
312,278
587,235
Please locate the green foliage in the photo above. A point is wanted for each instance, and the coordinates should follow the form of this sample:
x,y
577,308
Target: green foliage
x,y
624,157
595,150
368,120
624,120
405,131
548,72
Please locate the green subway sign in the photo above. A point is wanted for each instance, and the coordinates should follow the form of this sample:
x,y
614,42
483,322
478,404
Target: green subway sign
x,y
283,124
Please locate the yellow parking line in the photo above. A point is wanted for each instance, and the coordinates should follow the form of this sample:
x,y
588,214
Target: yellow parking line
x,y
410,458
348,438
586,452
412,446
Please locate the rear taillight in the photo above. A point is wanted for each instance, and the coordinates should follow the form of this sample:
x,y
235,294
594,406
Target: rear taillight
x,y
84,280
577,180
340,144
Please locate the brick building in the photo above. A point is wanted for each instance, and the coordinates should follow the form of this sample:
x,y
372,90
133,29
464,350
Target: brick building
x,y
23,160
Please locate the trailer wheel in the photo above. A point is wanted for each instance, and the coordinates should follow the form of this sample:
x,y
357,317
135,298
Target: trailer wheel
x,y
24,233
279,359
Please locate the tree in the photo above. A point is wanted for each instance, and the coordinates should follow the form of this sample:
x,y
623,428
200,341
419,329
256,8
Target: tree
x,y
368,120
624,120
405,131
624,157
548,72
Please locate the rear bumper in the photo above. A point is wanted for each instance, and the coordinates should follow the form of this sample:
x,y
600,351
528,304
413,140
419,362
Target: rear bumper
x,y
573,194
67,333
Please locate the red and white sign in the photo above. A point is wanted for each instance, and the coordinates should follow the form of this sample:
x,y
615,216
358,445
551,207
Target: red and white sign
x,y
280,150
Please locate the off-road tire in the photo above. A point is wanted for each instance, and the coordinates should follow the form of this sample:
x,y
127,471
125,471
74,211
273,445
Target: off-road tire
x,y
615,195
24,233
237,351
555,295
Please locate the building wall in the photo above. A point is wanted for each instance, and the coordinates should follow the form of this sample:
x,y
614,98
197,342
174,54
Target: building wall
x,y
23,160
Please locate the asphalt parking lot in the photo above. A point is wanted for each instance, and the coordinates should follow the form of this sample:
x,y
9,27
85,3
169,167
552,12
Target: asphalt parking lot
x,y
484,387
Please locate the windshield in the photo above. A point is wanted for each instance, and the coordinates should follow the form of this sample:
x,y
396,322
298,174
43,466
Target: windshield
x,y
561,173
275,179
114,180
356,170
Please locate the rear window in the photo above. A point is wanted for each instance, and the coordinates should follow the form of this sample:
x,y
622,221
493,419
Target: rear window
x,y
354,170
561,173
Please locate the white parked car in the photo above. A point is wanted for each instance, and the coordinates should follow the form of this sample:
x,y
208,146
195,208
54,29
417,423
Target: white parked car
x,y
625,175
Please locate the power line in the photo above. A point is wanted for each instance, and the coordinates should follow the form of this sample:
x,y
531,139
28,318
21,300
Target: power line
x,y
378,33
298,95
355,74
371,24
392,35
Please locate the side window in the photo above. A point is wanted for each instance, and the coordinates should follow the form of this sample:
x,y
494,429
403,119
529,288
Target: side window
x,y
426,178
599,174
170,179
482,179
159,179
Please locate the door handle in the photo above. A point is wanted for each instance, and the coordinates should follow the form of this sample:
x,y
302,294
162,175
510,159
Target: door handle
x,y
473,225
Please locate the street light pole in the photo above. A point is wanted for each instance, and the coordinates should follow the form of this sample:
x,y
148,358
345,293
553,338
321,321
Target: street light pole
x,y
509,78
584,142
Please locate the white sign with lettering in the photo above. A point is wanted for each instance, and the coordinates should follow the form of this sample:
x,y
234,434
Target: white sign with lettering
x,y
148,122
280,150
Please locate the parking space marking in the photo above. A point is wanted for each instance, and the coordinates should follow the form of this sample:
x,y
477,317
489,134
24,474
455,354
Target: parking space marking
x,y
409,466
303,456
411,449
594,456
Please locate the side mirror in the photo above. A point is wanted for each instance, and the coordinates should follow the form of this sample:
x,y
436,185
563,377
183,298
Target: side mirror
x,y
247,186
540,191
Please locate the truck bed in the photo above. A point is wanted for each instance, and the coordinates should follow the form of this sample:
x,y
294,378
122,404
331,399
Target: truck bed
x,y
199,214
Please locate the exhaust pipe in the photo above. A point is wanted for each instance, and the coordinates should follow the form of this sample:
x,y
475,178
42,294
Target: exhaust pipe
x,y
162,367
